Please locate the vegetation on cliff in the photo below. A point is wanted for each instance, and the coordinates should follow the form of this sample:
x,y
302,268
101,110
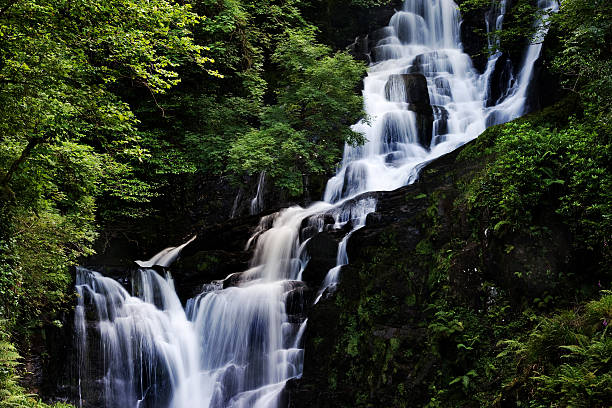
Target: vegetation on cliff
x,y
486,283
11,393
483,284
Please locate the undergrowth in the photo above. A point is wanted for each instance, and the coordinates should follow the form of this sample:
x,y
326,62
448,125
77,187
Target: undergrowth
x,y
12,395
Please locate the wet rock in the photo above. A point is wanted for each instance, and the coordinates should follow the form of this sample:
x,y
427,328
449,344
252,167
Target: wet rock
x,y
430,62
354,177
323,250
359,49
410,88
206,266
440,124
472,38
442,86
424,123
298,299
501,80
233,279
313,224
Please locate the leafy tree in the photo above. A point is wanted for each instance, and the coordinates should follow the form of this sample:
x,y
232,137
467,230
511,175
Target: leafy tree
x,y
67,137
203,116
316,104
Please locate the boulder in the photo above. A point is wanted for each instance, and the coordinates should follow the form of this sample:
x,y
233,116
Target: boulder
x,y
323,250
440,120
411,88
424,123
500,80
442,86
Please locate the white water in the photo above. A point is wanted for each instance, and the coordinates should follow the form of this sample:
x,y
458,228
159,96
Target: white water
x,y
237,347
257,203
141,338
514,104
165,257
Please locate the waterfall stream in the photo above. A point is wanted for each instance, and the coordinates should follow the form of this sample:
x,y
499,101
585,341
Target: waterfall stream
x,y
237,346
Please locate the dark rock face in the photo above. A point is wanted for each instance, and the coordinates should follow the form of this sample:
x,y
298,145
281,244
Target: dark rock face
x,y
322,249
360,49
441,120
349,26
411,89
501,80
473,41
545,87
189,204
424,123
369,341
353,176
46,363
442,86
206,266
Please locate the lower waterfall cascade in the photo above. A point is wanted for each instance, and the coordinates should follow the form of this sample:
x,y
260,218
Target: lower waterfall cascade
x,y
237,345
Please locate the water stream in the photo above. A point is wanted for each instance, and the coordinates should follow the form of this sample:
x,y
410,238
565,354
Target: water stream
x,y
237,347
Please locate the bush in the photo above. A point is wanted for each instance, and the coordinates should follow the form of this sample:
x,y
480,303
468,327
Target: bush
x,y
535,165
565,360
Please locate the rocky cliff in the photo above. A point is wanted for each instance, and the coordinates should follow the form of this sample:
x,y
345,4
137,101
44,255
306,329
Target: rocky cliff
x,y
430,291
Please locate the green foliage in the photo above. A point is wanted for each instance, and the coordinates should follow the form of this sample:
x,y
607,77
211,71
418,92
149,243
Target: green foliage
x,y
317,93
509,350
67,136
565,360
204,120
566,168
303,134
584,60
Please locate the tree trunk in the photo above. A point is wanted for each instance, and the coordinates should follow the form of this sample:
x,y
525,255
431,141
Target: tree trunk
x,y
24,155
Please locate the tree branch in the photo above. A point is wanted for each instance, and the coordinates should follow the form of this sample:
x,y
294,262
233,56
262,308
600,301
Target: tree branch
x,y
24,155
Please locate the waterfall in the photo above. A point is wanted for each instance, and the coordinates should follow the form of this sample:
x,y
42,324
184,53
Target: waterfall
x,y
147,347
257,203
237,346
494,19
514,104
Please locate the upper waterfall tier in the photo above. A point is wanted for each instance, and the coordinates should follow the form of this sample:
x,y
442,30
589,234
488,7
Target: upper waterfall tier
x,y
422,41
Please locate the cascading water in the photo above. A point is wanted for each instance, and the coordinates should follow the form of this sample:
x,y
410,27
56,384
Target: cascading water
x,y
237,346
257,202
513,104
147,347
